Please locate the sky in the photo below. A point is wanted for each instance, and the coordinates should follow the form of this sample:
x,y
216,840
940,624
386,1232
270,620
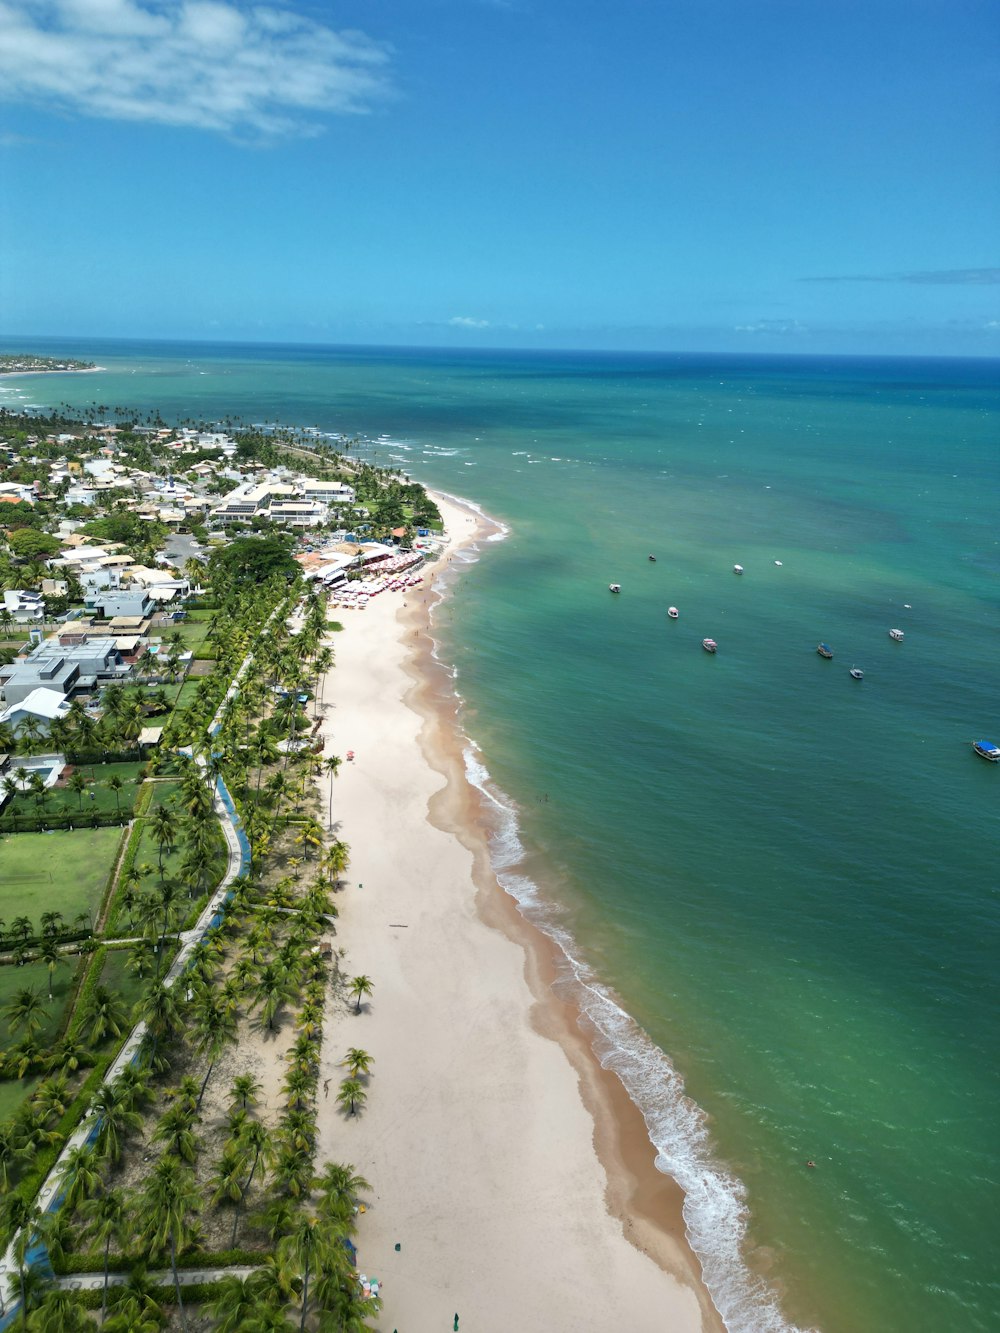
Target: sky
x,y
731,175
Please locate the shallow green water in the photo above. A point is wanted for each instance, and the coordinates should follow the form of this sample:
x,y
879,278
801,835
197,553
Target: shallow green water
x,y
787,879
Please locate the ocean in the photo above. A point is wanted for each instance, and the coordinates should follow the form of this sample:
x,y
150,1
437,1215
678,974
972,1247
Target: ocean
x,y
776,886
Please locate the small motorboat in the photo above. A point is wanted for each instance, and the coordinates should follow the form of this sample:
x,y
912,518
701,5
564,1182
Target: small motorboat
x,y
778,563
737,569
824,650
672,612
987,750
614,587
652,558
709,645
857,673
896,634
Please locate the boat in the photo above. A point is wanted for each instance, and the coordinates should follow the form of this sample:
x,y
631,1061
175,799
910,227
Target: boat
x,y
672,612
987,750
709,645
896,634
857,673
737,569
651,557
824,650
614,587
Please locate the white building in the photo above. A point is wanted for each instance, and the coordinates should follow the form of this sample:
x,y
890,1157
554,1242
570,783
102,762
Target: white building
x,y
24,606
45,706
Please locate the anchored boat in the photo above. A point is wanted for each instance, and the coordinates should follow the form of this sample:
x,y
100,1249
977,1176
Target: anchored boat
x,y
672,612
896,634
824,650
857,673
614,587
709,645
987,750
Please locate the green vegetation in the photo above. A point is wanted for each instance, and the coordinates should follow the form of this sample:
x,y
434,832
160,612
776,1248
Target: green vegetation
x,y
64,872
104,788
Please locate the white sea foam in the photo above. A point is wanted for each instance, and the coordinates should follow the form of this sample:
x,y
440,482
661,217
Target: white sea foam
x,y
715,1211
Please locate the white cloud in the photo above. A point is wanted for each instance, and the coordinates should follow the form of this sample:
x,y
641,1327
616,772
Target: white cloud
x,y
464,322
207,64
771,326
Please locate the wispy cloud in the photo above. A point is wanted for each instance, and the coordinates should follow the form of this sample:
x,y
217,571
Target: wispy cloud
x,y
254,72
945,277
464,322
771,326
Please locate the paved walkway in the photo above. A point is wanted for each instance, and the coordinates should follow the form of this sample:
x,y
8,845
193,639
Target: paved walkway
x,y
162,1277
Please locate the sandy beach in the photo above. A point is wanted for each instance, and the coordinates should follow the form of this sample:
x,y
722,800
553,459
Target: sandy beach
x,y
512,1180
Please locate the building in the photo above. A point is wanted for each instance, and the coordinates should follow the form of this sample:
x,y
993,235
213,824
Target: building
x,y
24,606
44,705
69,670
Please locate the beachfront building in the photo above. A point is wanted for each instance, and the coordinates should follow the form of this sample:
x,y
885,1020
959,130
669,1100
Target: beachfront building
x,y
299,502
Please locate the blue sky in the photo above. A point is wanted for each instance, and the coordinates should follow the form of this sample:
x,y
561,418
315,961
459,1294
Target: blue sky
x,y
772,175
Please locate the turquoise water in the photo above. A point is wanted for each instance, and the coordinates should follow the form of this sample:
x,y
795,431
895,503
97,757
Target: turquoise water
x,y
783,878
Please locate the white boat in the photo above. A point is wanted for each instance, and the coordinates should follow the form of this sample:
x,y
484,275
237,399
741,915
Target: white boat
x,y
614,587
857,673
737,569
709,645
672,612
987,750
896,634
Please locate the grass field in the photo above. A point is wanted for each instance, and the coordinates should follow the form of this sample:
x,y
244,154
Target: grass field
x,y
66,872
35,976
97,796
118,979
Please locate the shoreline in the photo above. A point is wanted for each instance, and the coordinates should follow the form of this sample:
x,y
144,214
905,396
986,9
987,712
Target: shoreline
x,y
21,374
632,1217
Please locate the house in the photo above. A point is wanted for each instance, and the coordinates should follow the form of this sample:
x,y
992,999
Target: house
x,y
79,667
122,602
24,606
44,705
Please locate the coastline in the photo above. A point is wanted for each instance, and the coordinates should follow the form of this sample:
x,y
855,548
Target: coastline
x,y
519,1178
20,374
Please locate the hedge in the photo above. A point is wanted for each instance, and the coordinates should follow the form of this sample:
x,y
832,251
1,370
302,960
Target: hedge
x,y
93,1261
72,820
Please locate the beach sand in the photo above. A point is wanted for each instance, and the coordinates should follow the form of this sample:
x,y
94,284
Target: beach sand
x,y
512,1172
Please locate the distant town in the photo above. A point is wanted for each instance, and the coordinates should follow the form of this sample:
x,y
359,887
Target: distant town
x,y
19,364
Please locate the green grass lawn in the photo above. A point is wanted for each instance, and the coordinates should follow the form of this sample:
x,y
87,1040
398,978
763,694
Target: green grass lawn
x,y
35,976
13,1092
65,871
97,796
117,978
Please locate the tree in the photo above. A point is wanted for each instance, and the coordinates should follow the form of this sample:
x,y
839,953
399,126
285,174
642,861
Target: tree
x,y
163,826
117,1120
60,1312
105,1220
358,1061
330,766
304,1249
168,1204
80,1177
105,1013
351,1095
360,986
214,1028
253,1141
30,544
175,1130
340,1189
48,953
244,1090
21,1219
24,1010
115,783
234,1305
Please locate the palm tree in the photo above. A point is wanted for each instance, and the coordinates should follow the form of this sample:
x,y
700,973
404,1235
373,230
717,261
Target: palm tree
x,y
253,1140
106,1014
21,925
271,991
360,986
48,953
244,1090
351,1095
169,1201
80,1176
234,1305
115,783
52,923
78,783
159,1010
21,1218
105,1219
60,1312
330,766
303,1250
163,827
214,1029
175,1129
116,1118
340,1189
24,1010
358,1062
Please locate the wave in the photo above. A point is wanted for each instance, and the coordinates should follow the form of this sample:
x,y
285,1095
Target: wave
x,y
715,1211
